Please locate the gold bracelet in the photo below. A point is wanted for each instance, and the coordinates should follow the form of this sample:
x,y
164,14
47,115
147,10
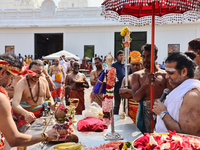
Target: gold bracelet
x,y
46,137
42,137
47,76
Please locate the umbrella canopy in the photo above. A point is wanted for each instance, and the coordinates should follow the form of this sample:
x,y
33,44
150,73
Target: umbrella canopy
x,y
146,12
67,54
139,12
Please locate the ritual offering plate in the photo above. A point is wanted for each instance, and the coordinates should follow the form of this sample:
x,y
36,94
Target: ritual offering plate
x,y
167,141
60,140
68,146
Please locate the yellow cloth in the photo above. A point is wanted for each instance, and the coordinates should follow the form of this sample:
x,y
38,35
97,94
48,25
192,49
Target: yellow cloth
x,y
58,77
28,60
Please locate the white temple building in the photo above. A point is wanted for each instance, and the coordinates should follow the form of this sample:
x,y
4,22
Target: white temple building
x,y
41,27
72,3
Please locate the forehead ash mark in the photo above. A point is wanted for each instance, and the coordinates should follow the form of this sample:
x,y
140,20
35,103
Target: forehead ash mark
x,y
170,69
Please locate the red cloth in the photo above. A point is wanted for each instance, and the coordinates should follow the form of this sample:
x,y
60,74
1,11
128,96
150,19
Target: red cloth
x,y
91,124
78,93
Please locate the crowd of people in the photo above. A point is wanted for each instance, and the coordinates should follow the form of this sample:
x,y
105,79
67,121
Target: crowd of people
x,y
89,63
179,73
27,86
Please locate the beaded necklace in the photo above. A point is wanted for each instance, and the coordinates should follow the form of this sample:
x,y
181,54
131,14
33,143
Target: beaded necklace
x,y
31,90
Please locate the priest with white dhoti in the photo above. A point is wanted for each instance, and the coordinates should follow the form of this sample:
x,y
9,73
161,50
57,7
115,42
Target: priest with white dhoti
x,y
180,111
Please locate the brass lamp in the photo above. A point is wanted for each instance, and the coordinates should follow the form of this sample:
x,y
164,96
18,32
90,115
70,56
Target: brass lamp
x,y
73,104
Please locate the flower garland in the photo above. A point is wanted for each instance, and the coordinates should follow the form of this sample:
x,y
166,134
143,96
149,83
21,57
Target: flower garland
x,y
124,31
108,98
2,90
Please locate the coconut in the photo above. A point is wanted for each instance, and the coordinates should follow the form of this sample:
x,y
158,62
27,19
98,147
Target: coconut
x,y
71,138
60,113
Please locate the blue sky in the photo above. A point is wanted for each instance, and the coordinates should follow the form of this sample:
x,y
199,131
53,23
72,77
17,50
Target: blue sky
x,y
92,2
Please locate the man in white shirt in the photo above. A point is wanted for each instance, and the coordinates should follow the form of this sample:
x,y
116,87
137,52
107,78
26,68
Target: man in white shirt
x,y
64,63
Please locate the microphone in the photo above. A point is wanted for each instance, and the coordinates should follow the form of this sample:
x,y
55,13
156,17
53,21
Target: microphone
x,y
165,93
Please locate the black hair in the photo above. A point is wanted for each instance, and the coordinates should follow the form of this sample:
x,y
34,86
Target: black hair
x,y
36,62
147,47
194,44
98,59
182,61
191,54
12,59
45,62
120,52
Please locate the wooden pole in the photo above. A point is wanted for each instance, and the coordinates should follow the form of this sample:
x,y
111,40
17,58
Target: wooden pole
x,y
152,60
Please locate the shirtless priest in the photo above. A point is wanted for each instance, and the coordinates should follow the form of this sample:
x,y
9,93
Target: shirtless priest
x,y
30,94
74,88
10,66
58,79
94,76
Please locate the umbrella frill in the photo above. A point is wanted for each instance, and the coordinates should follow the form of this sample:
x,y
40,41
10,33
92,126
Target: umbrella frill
x,y
138,12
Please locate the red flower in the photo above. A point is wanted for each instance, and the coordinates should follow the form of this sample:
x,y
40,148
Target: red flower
x,y
186,145
158,140
172,133
108,87
111,77
142,141
109,97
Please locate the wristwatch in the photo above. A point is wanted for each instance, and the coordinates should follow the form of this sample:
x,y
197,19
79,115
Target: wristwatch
x,y
162,114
